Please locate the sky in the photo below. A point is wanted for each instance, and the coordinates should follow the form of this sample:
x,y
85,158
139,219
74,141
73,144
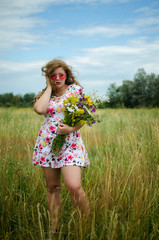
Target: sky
x,y
105,41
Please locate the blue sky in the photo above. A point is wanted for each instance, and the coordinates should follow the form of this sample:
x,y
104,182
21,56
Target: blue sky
x,y
105,41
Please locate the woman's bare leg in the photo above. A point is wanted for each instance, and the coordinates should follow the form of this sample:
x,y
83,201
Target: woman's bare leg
x,y
72,179
53,182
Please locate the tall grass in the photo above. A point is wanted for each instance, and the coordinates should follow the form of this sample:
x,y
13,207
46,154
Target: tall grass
x,y
122,181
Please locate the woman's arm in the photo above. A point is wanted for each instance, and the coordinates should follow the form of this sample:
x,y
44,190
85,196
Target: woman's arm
x,y
42,103
65,129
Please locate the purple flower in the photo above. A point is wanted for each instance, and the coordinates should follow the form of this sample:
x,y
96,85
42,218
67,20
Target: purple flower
x,y
80,90
80,105
100,121
93,110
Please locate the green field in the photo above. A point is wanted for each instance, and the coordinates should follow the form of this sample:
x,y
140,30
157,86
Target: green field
x,y
122,182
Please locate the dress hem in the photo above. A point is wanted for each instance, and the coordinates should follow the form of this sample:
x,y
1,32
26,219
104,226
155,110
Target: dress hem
x,y
78,165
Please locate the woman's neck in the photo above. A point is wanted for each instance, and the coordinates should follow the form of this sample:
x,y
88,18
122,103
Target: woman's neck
x,y
60,91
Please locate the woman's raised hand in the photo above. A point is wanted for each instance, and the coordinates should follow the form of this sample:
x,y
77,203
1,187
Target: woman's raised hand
x,y
48,82
41,105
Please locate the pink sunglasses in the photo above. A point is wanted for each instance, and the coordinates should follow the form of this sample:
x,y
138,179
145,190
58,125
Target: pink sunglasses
x,y
61,76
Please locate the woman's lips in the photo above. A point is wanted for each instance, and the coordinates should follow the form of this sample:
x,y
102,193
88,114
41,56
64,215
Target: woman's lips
x,y
58,83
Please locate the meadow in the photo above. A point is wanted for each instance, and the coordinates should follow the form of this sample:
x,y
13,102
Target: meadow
x,y
122,181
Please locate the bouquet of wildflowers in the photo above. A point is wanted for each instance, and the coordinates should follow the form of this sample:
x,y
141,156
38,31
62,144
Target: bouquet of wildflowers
x,y
78,109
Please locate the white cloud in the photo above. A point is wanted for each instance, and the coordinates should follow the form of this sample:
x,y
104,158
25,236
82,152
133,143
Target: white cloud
x,y
144,25
20,67
118,62
98,83
97,67
148,11
109,50
27,7
19,26
111,31
15,34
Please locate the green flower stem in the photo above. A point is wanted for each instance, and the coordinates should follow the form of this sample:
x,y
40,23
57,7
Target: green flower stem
x,y
58,142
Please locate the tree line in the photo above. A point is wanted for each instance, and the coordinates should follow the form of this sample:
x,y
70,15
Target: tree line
x,y
11,100
142,91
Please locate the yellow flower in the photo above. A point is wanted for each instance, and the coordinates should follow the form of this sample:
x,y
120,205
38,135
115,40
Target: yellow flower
x,y
72,99
82,122
88,100
81,111
64,102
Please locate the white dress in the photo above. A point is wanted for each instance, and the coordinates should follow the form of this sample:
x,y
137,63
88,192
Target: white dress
x,y
73,152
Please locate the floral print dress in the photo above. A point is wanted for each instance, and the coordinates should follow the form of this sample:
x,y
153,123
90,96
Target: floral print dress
x,y
73,152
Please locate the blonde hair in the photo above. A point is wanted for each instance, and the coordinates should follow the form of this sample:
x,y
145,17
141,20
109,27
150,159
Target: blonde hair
x,y
50,68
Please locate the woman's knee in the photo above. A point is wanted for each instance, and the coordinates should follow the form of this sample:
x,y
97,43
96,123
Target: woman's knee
x,y
53,188
73,188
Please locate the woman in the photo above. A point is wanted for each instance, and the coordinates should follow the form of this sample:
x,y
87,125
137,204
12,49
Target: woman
x,y
61,84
